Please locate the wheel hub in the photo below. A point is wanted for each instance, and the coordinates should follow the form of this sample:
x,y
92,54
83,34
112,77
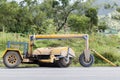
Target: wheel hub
x,y
12,59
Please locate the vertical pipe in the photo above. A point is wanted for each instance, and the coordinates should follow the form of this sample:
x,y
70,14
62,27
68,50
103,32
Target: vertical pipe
x,y
25,49
87,42
87,51
30,45
8,44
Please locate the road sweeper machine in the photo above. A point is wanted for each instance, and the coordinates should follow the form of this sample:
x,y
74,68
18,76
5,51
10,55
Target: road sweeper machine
x,y
50,56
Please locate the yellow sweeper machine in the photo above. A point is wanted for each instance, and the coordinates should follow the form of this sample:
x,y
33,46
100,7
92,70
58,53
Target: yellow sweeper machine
x,y
51,56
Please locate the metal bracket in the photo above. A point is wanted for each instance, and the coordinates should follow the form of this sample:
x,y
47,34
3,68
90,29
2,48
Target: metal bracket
x,y
85,37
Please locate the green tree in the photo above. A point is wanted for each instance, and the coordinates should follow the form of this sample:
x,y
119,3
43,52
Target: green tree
x,y
7,12
92,14
46,8
83,6
61,11
31,17
78,23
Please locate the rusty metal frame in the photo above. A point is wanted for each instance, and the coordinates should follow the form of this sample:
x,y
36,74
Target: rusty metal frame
x,y
62,36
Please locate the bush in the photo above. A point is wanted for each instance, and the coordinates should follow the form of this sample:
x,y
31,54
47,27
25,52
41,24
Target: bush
x,y
78,23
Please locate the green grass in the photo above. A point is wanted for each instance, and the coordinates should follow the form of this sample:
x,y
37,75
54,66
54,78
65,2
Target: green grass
x,y
4,37
108,46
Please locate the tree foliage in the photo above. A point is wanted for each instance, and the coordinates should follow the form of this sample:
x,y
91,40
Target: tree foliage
x,y
92,14
31,16
78,23
61,12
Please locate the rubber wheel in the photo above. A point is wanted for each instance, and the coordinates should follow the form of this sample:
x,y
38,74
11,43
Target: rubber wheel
x,y
11,59
84,63
63,63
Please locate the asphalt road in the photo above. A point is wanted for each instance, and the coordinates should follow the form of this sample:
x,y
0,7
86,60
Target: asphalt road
x,y
71,73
